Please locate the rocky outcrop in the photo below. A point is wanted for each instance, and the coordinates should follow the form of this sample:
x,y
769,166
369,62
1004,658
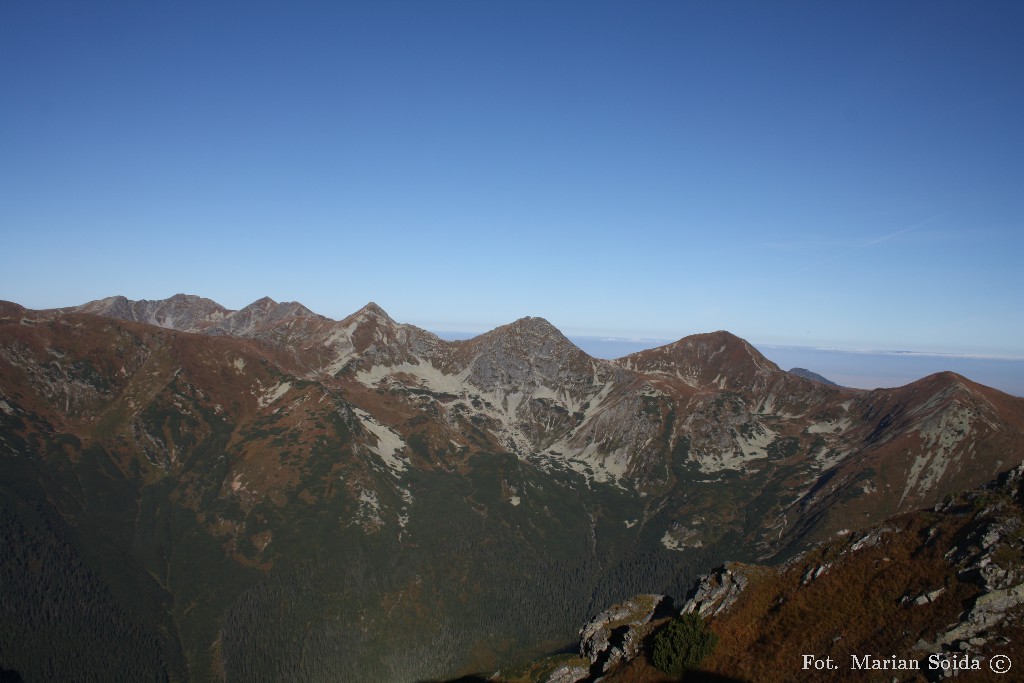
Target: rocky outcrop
x,y
185,312
612,638
976,560
988,610
717,591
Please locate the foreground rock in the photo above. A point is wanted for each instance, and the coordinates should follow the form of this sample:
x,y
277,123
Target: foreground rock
x,y
717,591
612,638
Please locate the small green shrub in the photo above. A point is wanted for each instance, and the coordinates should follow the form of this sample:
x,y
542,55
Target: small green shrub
x,y
683,644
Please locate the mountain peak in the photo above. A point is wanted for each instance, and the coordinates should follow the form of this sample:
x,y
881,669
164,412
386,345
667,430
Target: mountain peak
x,y
117,299
530,332
263,303
186,312
718,336
371,312
534,324
708,358
946,382
262,315
181,297
372,308
526,353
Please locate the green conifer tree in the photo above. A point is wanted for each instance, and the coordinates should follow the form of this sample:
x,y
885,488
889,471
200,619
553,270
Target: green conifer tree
x,y
683,644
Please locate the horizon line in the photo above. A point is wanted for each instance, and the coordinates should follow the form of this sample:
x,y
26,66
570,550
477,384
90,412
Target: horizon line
x,y
652,341
662,341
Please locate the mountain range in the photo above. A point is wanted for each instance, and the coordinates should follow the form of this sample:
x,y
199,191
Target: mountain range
x,y
190,492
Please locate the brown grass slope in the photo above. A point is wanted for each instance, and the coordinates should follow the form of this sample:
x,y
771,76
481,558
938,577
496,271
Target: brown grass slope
x,y
904,590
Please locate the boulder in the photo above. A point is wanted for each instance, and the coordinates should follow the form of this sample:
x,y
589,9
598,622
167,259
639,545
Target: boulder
x,y
616,635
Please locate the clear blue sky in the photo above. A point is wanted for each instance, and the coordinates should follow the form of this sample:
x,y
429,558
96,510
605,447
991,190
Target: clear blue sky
x,y
818,173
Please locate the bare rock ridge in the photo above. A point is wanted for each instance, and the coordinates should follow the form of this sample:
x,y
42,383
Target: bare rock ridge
x,y
185,312
530,345
259,315
190,313
706,406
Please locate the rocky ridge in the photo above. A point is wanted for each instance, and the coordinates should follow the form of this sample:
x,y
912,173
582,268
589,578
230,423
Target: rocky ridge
x,y
706,407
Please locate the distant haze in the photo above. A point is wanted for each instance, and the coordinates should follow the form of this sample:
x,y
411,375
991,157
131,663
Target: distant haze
x,y
870,369
874,369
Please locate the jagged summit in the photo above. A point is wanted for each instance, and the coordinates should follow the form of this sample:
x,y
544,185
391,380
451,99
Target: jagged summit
x,y
189,298
186,312
371,311
372,307
526,336
292,308
174,300
258,317
532,320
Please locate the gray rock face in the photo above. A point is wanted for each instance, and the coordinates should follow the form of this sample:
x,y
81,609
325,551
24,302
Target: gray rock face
x,y
988,610
616,635
190,313
185,312
717,591
260,314
932,596
531,353
1003,588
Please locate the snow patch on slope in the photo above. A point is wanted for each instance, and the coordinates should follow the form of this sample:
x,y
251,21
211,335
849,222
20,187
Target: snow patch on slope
x,y
426,374
274,393
388,441
941,437
830,426
750,447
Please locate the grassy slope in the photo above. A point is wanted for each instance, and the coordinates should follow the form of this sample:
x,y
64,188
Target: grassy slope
x,y
864,601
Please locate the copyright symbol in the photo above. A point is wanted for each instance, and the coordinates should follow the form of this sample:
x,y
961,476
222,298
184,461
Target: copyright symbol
x,y
1000,664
